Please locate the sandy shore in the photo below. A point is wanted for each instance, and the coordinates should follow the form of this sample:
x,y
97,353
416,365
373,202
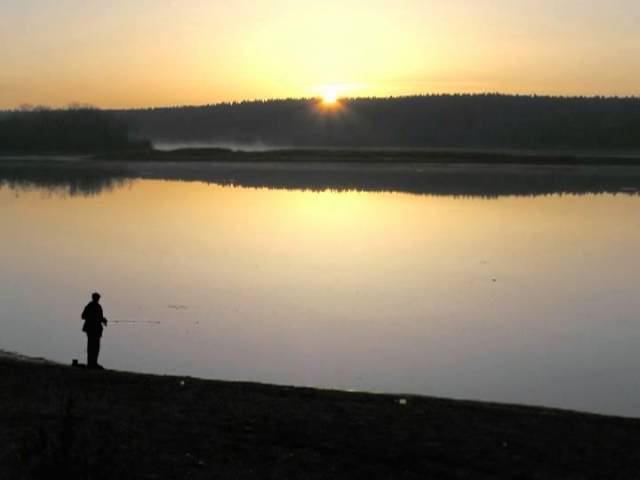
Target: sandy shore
x,y
62,422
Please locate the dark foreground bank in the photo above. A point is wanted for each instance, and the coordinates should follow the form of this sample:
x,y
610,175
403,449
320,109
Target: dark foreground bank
x,y
61,422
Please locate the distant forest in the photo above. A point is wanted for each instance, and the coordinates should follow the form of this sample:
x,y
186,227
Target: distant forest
x,y
84,130
432,121
489,121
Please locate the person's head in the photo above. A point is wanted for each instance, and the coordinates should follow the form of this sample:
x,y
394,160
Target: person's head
x,y
95,296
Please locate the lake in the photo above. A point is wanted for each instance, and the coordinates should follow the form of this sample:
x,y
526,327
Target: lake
x,y
529,298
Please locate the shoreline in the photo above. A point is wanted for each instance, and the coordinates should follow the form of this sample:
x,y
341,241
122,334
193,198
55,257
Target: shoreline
x,y
6,355
152,426
386,156
488,180
339,155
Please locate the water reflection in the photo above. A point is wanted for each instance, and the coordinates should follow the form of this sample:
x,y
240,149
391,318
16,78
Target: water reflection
x,y
489,181
62,177
517,299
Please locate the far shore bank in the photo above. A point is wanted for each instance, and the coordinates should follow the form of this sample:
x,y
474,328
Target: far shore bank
x,y
391,155
73,423
379,155
320,171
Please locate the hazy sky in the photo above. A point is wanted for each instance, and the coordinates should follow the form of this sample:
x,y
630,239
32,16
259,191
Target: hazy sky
x,y
121,53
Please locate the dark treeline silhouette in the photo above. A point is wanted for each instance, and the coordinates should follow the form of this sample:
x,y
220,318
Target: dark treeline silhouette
x,y
81,130
487,181
449,121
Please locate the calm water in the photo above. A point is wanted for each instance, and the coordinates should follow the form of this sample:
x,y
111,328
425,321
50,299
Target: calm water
x,y
515,299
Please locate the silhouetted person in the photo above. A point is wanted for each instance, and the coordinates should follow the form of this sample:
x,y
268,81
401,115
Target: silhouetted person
x,y
93,326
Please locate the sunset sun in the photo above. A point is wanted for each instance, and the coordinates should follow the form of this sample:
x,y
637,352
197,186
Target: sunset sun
x,y
329,96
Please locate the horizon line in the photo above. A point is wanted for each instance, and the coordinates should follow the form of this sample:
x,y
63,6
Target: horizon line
x,y
81,105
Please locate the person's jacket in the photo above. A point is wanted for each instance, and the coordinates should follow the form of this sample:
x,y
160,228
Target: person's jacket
x,y
93,319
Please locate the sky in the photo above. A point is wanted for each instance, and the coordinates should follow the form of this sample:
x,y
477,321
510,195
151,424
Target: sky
x,y
139,53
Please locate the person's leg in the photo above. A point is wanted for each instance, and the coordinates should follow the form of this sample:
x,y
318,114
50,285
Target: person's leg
x,y
92,350
97,349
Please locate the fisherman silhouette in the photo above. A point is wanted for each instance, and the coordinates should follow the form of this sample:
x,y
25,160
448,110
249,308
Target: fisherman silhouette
x,y
93,326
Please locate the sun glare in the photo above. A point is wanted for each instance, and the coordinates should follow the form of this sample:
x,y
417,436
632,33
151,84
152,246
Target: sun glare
x,y
330,96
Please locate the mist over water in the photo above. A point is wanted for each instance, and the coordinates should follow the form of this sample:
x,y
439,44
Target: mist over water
x,y
235,146
512,299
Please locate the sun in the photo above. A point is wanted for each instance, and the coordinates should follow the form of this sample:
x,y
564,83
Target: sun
x,y
330,96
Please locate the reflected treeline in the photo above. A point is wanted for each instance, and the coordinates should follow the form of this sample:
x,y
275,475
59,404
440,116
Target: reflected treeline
x,y
75,178
487,181
490,181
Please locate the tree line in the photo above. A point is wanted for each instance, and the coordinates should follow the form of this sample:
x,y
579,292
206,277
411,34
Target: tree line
x,y
82,130
488,121
452,121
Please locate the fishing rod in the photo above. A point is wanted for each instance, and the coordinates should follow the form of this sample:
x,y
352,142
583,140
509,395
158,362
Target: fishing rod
x,y
147,322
